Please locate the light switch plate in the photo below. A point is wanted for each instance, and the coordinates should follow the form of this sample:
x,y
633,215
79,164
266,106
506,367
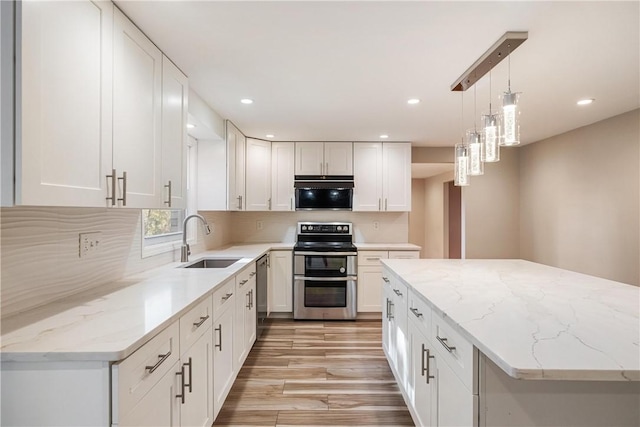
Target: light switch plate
x,y
89,243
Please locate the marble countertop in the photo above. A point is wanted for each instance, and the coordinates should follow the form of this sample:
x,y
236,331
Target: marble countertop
x,y
387,246
532,320
112,326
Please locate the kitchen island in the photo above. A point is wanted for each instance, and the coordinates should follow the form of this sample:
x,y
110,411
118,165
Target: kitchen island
x,y
511,342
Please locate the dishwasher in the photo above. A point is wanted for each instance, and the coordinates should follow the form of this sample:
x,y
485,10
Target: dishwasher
x,y
261,294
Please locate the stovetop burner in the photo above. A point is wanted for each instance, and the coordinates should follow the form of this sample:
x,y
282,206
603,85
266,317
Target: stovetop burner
x,y
325,246
325,237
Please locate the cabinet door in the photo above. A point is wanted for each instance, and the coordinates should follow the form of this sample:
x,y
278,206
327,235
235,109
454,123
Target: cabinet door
x,y
396,170
239,342
137,113
223,357
159,407
235,168
281,286
338,158
388,325
422,388
455,402
65,78
250,317
258,175
197,409
212,176
282,175
367,175
175,97
369,289
309,158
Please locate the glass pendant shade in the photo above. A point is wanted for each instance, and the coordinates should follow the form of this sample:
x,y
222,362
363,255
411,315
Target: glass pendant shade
x,y
475,149
491,136
510,119
461,165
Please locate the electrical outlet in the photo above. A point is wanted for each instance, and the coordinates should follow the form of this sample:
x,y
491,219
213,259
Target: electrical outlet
x,y
376,225
89,243
259,225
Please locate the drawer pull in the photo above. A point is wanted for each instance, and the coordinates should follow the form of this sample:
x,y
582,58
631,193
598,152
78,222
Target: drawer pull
x,y
425,363
189,364
182,384
415,312
397,292
162,357
253,273
373,258
443,341
202,320
243,282
219,329
226,297
385,279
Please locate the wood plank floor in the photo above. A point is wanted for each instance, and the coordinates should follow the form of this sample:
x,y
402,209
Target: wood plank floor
x,y
316,374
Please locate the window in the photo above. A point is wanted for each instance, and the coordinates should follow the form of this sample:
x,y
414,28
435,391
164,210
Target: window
x,y
161,225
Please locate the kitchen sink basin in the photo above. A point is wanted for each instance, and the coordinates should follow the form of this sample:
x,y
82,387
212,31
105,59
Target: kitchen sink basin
x,y
213,263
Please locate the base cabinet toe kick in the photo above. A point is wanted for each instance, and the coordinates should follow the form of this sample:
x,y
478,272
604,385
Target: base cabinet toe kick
x,y
447,381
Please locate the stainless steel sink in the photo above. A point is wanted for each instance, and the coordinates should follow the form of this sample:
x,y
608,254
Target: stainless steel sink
x,y
213,263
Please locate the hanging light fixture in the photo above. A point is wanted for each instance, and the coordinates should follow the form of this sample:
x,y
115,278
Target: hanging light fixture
x,y
461,156
474,144
491,132
510,113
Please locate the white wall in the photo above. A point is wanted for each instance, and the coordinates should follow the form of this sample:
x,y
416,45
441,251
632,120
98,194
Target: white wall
x,y
434,216
417,215
580,199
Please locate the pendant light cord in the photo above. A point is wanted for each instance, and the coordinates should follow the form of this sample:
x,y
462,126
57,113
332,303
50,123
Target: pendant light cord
x,y
462,116
509,68
475,129
489,87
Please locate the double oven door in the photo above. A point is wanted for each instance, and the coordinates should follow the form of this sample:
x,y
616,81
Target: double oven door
x,y
324,285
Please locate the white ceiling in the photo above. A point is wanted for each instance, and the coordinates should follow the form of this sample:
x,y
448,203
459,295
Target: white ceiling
x,y
340,71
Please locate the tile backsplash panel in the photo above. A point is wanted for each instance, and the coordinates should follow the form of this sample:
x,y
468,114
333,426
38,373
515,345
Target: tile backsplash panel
x,y
39,252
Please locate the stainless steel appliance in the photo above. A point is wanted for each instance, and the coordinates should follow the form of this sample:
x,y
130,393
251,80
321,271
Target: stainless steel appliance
x,y
324,192
324,271
261,293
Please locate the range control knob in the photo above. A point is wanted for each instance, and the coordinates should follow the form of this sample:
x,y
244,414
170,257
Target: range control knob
x,y
342,270
339,228
304,228
310,228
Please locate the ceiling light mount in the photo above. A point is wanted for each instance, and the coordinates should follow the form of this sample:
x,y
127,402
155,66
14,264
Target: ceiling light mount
x,y
492,57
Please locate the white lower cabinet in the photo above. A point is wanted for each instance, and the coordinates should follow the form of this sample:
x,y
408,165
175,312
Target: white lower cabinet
x,y
395,336
244,333
223,330
422,386
280,285
196,383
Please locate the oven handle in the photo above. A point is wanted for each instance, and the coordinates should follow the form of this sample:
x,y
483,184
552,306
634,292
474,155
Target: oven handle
x,y
327,253
327,279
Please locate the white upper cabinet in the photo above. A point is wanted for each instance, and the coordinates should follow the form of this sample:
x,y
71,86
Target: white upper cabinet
x,y
137,109
282,175
64,77
382,175
235,168
324,158
258,175
175,98
396,176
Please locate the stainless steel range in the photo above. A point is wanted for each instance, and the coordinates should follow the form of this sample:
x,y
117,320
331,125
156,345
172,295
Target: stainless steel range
x,y
324,271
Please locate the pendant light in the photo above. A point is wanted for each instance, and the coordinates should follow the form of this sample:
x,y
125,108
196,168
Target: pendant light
x,y
474,144
461,154
510,114
491,132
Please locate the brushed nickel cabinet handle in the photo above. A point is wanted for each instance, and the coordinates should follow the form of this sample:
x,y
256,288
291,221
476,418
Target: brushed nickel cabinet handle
x,y
162,358
226,297
386,280
248,300
112,177
202,320
397,292
425,363
168,187
251,298
123,199
386,204
182,385
443,341
327,169
219,330
321,168
391,304
415,312
373,258
379,204
269,203
189,364
253,273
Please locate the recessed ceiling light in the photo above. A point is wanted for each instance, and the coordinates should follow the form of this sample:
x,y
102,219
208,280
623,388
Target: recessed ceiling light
x,y
190,125
246,101
413,101
270,135
384,136
585,101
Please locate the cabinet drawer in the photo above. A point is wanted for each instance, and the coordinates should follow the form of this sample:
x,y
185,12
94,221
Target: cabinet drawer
x,y
398,289
194,323
223,297
137,374
420,312
404,254
455,350
246,276
371,257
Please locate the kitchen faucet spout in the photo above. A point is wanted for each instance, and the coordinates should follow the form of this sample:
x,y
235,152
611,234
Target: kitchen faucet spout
x,y
185,251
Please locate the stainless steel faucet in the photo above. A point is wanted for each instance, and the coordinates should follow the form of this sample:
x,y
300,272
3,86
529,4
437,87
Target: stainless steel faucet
x,y
185,250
